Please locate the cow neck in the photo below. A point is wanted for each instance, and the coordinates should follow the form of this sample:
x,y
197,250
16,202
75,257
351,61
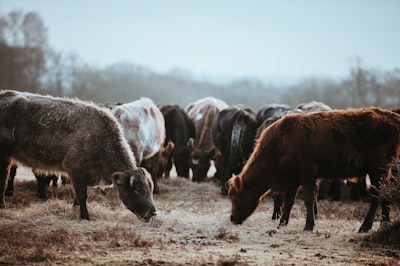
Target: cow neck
x,y
254,175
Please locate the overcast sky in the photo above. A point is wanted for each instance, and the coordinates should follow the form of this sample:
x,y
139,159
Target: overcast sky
x,y
225,38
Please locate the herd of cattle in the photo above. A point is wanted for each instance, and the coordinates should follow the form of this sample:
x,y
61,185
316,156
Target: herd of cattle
x,y
276,149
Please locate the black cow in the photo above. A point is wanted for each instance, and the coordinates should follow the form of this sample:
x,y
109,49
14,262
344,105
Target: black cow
x,y
179,129
234,134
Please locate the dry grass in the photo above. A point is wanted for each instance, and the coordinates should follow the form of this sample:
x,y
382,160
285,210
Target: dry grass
x,y
192,227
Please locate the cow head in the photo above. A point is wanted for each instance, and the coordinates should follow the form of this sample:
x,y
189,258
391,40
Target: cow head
x,y
243,200
181,156
136,192
157,163
200,161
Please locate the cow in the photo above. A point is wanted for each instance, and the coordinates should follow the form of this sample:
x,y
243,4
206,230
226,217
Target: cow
x,y
144,129
234,135
313,106
203,112
270,113
271,110
179,129
71,136
300,148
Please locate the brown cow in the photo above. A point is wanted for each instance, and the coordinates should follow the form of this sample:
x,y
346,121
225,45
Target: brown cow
x,y
74,137
203,112
299,148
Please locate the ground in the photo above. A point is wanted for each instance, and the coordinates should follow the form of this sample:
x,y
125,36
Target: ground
x,y
192,227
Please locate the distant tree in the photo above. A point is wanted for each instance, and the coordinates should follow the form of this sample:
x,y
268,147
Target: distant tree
x,y
22,50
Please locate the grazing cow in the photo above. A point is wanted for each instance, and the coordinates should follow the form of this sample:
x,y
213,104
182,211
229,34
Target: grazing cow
x,y
179,129
234,134
299,148
144,129
203,112
74,137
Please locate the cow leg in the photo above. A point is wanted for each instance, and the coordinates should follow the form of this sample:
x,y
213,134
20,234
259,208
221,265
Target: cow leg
x,y
4,169
369,218
287,207
335,190
41,185
80,187
10,185
309,194
64,180
168,166
156,188
385,204
278,201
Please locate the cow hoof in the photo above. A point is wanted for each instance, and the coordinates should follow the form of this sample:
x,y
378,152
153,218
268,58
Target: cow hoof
x,y
364,229
42,196
9,193
275,216
308,229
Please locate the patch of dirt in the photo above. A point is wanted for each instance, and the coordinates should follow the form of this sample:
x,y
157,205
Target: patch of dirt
x,y
192,228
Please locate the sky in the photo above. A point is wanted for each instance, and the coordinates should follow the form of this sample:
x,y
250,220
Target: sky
x,y
225,39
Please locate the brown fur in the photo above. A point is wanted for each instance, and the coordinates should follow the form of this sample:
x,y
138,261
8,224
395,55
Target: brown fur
x,y
64,135
300,148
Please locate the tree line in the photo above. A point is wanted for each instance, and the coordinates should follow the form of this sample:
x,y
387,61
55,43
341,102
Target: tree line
x,y
29,63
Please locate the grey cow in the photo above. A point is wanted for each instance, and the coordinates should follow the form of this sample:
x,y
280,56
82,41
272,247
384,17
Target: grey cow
x,y
74,137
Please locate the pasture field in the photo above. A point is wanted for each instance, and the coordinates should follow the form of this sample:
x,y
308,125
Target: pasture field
x,y
192,228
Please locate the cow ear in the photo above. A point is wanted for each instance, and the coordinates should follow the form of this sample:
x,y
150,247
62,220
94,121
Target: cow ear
x,y
190,144
235,183
214,153
168,149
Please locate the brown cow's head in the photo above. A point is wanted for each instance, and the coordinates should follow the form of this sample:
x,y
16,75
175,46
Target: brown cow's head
x,y
200,161
136,192
156,164
243,200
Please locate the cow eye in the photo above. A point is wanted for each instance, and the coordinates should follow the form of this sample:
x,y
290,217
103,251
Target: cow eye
x,y
139,189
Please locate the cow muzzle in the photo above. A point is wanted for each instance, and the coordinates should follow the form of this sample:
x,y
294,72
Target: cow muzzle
x,y
147,218
236,220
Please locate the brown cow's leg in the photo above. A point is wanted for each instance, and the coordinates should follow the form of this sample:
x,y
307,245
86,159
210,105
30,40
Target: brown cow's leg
x,y
168,166
11,176
309,200
80,187
4,169
287,207
278,201
385,210
369,218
